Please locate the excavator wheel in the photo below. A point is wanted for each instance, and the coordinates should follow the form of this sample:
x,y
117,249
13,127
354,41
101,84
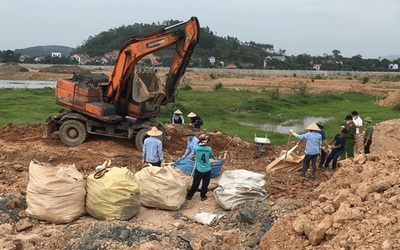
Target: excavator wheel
x,y
140,137
73,132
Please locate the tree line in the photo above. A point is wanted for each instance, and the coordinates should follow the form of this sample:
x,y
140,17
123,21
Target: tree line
x,y
225,50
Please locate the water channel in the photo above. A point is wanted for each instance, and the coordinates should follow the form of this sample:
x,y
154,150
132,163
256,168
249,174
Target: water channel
x,y
298,125
29,84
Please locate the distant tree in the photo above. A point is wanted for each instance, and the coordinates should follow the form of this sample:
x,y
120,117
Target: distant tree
x,y
336,53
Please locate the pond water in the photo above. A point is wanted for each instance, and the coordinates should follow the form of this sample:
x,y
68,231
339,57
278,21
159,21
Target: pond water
x,y
27,84
298,125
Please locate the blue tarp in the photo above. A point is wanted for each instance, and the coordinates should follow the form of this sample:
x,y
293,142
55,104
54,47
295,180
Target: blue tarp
x,y
186,164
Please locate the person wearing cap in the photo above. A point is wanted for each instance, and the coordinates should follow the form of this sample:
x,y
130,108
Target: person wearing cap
x,y
369,130
313,145
343,124
177,117
338,149
152,152
351,137
202,168
192,141
322,157
195,120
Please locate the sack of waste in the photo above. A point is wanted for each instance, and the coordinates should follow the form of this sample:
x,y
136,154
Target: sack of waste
x,y
113,195
239,186
55,194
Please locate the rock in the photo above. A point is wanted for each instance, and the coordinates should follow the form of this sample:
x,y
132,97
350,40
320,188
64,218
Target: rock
x,y
23,225
298,224
380,185
317,235
151,245
5,229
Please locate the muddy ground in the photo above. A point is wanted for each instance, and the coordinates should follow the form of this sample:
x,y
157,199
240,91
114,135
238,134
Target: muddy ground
x,y
355,207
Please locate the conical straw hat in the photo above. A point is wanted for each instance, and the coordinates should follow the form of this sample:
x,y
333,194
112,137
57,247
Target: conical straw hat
x,y
154,131
191,114
178,112
313,126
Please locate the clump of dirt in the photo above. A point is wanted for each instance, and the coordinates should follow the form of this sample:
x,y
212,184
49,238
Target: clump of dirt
x,y
12,68
65,69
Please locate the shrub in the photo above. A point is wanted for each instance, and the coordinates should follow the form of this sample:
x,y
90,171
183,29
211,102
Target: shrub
x,y
364,80
218,86
300,88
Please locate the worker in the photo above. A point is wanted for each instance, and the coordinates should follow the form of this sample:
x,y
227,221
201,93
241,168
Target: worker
x,y
192,141
358,122
196,121
152,152
177,117
202,168
322,157
313,145
369,130
351,138
338,149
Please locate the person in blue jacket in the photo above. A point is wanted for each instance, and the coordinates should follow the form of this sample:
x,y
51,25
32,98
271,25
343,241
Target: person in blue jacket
x,y
313,146
192,141
177,117
152,151
202,171
338,149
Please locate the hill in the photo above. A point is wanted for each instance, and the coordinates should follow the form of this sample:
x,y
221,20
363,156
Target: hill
x,y
45,50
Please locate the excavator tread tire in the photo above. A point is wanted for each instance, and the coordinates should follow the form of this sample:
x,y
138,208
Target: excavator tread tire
x,y
140,137
73,132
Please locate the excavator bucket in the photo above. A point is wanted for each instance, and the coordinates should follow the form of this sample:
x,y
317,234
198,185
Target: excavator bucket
x,y
49,128
140,93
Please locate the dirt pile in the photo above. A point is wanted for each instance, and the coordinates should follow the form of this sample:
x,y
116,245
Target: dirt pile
x,y
65,69
12,68
357,208
391,99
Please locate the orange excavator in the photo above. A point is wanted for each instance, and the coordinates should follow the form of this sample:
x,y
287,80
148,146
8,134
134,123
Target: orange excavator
x,y
123,104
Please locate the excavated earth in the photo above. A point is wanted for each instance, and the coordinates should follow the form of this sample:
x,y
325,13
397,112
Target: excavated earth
x,y
355,207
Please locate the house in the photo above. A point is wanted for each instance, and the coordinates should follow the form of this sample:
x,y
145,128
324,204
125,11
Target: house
x,y
81,58
211,59
231,66
280,58
316,66
56,54
393,66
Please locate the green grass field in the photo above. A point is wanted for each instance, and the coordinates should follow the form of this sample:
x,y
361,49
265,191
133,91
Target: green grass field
x,y
223,109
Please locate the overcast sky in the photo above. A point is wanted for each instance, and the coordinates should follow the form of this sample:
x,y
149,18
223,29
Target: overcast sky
x,y
370,28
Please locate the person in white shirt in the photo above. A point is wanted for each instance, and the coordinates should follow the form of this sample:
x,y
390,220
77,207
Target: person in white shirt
x,y
358,122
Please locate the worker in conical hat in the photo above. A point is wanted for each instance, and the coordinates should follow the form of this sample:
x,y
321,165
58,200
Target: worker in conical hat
x,y
313,145
152,152
177,117
195,120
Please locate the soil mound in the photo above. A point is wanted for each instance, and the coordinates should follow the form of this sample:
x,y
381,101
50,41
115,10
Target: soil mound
x,y
355,207
392,99
65,69
12,67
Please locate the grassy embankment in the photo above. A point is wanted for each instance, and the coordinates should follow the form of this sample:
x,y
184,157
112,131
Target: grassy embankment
x,y
222,109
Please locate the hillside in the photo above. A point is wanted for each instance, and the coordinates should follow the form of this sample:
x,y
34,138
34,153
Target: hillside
x,y
45,50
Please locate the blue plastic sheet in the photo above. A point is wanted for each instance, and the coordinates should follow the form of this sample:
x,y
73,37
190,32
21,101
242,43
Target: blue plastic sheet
x,y
186,165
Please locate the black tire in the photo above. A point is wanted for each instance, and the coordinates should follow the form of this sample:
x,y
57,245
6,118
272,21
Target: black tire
x,y
140,137
73,132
